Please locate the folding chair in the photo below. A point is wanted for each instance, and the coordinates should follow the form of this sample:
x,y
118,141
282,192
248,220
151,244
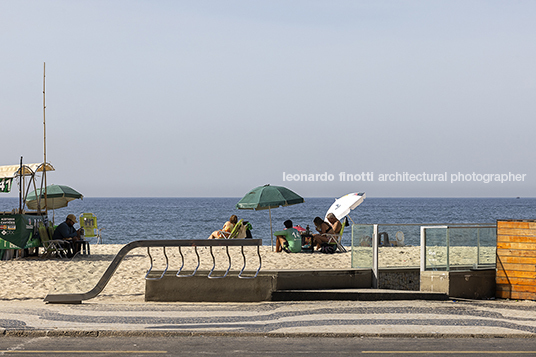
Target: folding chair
x,y
235,232
337,238
52,246
88,221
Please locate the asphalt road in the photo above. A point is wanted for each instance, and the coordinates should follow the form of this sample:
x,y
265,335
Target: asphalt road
x,y
263,346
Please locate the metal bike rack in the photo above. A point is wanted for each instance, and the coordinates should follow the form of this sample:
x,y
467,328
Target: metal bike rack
x,y
101,284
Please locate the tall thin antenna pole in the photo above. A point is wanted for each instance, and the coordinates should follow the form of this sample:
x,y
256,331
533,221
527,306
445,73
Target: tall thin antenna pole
x,y
21,185
44,141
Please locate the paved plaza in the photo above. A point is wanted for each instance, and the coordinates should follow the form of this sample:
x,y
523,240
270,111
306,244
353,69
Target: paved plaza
x,y
415,318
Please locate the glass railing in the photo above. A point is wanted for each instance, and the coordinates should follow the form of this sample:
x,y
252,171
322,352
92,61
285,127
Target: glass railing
x,y
448,246
398,245
362,250
458,247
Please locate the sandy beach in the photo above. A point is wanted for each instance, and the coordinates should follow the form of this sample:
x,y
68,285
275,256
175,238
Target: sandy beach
x,y
35,277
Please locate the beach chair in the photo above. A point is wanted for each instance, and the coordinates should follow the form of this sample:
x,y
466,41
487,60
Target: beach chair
x,y
88,221
236,231
336,239
51,230
52,246
243,230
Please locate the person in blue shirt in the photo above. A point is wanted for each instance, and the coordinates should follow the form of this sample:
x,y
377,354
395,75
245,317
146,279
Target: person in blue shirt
x,y
66,231
289,239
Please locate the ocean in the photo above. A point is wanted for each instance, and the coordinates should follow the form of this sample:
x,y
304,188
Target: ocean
x,y
128,219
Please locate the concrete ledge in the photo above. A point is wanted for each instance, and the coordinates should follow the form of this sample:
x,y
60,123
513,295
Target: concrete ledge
x,y
352,284
200,288
322,279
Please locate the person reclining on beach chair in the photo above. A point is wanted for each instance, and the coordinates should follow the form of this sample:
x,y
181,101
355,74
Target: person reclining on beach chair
x,y
330,234
241,230
288,240
228,229
336,238
238,231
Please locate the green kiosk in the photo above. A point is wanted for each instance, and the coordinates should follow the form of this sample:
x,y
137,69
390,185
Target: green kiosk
x,y
18,228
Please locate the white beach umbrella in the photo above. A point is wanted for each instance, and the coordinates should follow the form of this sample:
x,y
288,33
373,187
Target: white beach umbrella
x,y
342,206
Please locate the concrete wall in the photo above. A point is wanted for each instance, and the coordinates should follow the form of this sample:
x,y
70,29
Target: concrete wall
x,y
322,279
399,279
200,288
233,289
477,284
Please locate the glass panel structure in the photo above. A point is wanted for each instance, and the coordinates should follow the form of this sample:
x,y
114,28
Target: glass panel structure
x,y
436,242
458,247
487,247
362,252
398,245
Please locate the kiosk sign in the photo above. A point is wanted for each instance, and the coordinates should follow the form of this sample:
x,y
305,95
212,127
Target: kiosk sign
x,y
17,231
5,184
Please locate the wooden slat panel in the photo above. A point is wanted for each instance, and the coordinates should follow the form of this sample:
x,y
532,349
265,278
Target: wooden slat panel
x,y
514,281
517,288
522,296
512,224
516,253
517,260
513,239
520,246
515,274
516,232
515,295
516,267
517,224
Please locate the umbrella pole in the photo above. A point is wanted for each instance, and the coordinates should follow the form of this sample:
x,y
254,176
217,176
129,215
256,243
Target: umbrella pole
x,y
44,144
21,186
271,235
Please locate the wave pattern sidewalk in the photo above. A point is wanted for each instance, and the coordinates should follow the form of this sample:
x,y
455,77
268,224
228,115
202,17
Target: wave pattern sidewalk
x,y
314,318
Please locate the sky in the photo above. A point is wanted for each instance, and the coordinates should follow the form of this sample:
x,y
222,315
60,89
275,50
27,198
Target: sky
x,y
213,98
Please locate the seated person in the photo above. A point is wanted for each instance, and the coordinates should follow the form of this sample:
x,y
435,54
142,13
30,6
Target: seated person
x,y
326,230
226,230
334,223
289,239
66,231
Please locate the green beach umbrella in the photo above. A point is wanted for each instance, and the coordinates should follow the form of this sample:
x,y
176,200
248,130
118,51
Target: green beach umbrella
x,y
268,197
57,196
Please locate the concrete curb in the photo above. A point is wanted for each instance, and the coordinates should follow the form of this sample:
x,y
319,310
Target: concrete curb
x,y
130,333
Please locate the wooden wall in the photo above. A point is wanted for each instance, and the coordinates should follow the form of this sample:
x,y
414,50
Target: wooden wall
x,y
516,259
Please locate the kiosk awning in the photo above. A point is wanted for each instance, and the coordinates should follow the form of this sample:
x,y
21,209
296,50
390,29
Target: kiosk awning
x,y
11,171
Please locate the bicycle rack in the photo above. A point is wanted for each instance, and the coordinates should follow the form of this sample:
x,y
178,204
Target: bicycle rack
x,y
101,284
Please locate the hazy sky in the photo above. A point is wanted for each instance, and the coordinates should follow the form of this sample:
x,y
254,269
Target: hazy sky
x,y
213,98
